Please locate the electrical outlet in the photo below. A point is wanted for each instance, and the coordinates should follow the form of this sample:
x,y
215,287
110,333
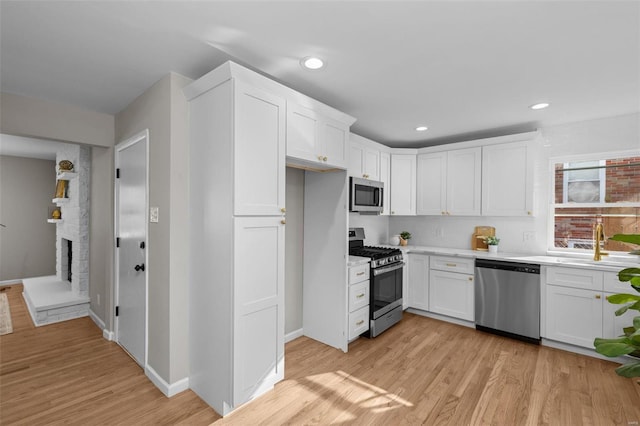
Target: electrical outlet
x,y
98,299
439,232
154,213
528,236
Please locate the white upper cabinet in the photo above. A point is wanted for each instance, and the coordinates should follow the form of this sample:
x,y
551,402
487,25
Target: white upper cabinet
x,y
385,178
259,152
316,139
431,185
507,180
464,176
403,184
449,182
364,160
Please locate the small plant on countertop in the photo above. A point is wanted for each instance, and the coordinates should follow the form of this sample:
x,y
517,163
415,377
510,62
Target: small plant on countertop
x,y
492,240
629,342
405,235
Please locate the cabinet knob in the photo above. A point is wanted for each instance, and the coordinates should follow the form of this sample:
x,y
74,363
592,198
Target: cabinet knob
x,y
283,221
607,297
443,212
319,157
324,158
598,296
470,278
529,212
392,212
283,210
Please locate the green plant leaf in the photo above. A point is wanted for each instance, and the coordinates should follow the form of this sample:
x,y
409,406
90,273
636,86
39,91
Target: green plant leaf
x,y
614,349
618,299
624,309
629,370
628,331
627,238
636,323
628,274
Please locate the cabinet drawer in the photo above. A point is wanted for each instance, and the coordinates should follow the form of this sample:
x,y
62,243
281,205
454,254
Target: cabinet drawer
x,y
576,278
358,322
358,296
452,264
358,273
613,285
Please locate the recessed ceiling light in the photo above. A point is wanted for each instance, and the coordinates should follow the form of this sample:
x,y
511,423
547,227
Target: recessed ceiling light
x,y
541,105
312,63
421,129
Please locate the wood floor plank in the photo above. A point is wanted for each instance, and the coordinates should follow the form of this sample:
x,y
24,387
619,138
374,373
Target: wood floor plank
x,y
422,371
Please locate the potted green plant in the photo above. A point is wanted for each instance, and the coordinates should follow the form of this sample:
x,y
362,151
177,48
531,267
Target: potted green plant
x,y
404,238
629,342
492,243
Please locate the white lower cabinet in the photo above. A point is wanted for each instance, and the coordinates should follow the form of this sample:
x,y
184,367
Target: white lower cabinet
x,y
358,300
451,289
418,288
577,310
573,315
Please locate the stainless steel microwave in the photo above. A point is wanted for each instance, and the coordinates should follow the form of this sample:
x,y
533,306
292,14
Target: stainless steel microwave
x,y
365,195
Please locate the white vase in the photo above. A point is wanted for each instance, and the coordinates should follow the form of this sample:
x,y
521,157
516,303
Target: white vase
x,y
493,249
395,240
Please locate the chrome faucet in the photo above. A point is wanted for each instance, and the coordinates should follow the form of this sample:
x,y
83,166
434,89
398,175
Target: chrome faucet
x,y
599,237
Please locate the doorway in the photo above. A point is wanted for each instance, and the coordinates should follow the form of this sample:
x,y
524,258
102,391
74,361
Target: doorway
x,y
131,229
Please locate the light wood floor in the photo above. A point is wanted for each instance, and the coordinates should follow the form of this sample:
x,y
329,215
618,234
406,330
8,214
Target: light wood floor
x,y
422,371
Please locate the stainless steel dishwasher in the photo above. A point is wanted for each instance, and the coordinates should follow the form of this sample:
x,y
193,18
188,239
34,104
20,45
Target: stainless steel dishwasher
x,y
507,299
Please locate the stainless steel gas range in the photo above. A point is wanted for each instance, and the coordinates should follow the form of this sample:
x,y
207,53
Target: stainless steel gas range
x,y
385,303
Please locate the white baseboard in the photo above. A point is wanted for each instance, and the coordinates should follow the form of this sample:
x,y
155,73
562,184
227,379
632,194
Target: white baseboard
x,y
108,335
96,319
10,282
293,335
168,389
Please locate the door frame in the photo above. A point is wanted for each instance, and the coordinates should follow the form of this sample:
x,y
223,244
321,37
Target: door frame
x,y
118,148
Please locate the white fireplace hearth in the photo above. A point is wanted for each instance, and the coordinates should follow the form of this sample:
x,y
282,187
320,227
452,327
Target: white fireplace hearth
x,y
65,295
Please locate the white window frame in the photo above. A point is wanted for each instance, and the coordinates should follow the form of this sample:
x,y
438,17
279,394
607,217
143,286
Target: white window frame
x,y
602,178
602,156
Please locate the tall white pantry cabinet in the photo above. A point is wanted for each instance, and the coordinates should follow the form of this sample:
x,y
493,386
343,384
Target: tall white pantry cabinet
x,y
237,200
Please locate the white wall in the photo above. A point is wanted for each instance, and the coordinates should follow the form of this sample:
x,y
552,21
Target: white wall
x,y
28,243
163,110
595,136
376,228
294,243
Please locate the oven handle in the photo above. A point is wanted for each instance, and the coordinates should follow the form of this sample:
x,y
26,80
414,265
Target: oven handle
x,y
386,269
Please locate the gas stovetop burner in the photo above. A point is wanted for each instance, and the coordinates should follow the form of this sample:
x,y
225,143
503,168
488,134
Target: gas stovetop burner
x,y
380,256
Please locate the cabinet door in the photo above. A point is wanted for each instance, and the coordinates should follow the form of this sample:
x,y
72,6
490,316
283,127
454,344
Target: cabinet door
x,y
463,181
333,143
573,315
418,287
258,336
431,198
403,184
451,294
507,180
302,133
372,164
612,325
385,177
259,152
356,159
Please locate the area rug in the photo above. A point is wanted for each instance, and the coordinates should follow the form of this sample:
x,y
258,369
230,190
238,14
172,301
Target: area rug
x,y
6,326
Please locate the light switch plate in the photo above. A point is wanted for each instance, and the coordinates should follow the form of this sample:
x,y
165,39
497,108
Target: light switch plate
x,y
153,214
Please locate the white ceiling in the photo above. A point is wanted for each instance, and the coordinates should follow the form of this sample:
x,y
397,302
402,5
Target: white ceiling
x,y
466,69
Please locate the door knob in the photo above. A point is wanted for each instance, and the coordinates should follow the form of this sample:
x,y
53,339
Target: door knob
x,y
139,268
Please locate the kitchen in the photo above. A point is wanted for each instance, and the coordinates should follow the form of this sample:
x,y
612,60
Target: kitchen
x,y
620,131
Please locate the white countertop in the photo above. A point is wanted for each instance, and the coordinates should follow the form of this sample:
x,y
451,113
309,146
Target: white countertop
x,y
357,260
575,261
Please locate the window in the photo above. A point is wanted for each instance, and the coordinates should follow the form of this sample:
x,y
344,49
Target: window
x,y
591,191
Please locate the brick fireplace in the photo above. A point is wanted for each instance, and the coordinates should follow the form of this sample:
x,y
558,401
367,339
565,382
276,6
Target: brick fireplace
x,y
66,295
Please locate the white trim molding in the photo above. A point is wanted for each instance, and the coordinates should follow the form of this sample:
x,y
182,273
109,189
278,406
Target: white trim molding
x,y
293,335
167,389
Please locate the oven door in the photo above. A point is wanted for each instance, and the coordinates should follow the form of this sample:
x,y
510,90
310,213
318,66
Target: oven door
x,y
386,289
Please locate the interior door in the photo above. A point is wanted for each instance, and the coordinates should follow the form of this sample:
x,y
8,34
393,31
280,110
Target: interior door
x,y
131,233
